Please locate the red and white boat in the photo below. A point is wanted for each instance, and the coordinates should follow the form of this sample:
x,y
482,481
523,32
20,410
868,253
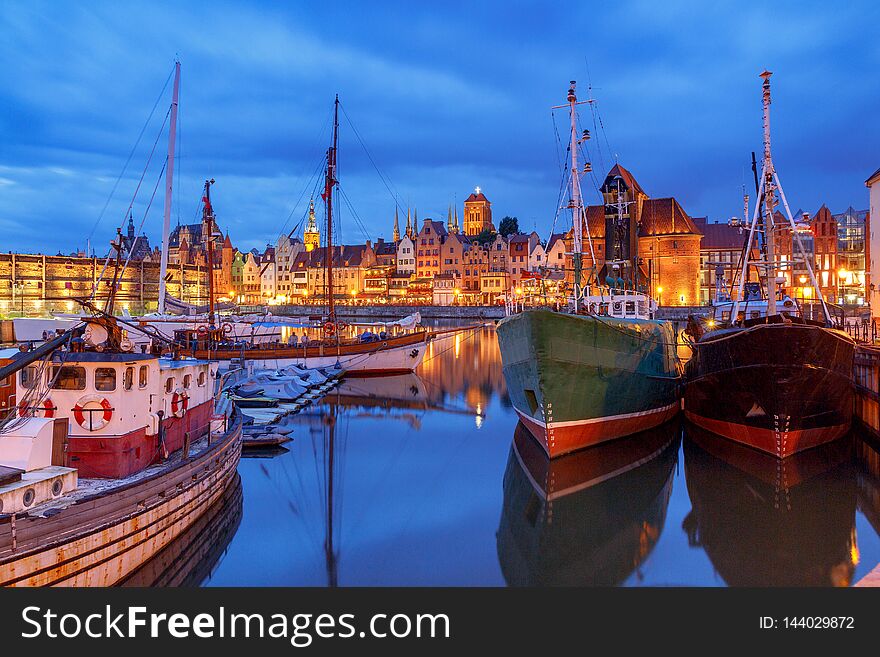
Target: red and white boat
x,y
106,456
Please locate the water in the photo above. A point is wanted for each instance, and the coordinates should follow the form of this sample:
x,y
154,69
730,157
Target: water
x,y
433,485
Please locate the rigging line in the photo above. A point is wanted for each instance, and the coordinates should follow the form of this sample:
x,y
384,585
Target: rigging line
x,y
141,227
321,156
131,154
314,177
134,196
354,213
388,184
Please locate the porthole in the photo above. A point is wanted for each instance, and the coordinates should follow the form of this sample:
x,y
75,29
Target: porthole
x,y
57,486
29,497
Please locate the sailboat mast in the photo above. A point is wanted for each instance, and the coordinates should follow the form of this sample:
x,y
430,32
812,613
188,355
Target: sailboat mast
x,y
209,224
169,185
769,202
576,214
328,191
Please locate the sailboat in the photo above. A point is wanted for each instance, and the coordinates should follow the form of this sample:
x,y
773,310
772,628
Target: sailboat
x,y
381,353
765,375
601,368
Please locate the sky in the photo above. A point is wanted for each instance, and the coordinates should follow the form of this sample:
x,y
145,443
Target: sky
x,y
436,98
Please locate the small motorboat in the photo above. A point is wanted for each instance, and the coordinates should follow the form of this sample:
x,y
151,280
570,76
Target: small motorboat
x,y
253,402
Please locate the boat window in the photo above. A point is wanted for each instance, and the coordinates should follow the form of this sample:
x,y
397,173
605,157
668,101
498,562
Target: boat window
x,y
169,384
187,380
67,377
28,377
143,376
725,315
128,378
202,378
105,379
630,307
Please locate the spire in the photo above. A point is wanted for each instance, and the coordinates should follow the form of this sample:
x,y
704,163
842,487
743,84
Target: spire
x,y
130,226
396,233
455,226
311,237
449,219
409,230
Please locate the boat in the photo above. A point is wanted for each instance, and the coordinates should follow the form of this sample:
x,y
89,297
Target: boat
x,y
109,456
190,559
764,374
763,521
589,518
107,452
255,401
602,367
397,352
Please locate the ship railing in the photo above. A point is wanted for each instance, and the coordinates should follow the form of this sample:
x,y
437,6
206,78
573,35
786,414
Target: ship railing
x,y
863,331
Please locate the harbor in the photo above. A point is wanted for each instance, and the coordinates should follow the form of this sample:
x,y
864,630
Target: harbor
x,y
365,350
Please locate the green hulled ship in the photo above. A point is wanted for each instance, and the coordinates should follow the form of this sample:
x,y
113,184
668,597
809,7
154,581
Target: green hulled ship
x,y
579,380
599,366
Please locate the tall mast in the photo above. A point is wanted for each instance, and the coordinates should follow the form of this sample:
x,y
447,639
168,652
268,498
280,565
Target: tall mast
x,y
169,185
576,214
208,222
328,193
769,201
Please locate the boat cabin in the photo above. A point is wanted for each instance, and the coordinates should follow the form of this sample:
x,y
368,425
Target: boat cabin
x,y
627,305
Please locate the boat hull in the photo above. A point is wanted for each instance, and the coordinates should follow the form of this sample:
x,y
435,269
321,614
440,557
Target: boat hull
x,y
101,539
577,381
778,388
394,356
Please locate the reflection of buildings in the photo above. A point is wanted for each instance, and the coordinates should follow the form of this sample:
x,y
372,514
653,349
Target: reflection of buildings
x,y
769,522
868,456
466,364
589,518
190,558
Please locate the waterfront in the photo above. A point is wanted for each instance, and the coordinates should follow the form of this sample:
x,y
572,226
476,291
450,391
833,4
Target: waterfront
x,y
428,491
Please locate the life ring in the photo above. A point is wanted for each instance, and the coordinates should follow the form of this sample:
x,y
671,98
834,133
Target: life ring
x,y
92,412
617,306
227,328
46,407
179,403
202,329
329,328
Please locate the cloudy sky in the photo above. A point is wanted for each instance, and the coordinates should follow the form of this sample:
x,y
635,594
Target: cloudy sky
x,y
445,96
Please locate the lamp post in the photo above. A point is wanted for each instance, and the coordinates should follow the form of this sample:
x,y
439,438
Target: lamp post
x,y
803,281
659,296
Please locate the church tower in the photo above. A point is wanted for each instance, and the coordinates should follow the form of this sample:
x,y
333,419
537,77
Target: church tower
x,y
409,229
477,213
449,227
311,236
455,227
395,236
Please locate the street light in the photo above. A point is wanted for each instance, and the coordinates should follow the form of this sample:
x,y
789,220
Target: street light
x,y
659,296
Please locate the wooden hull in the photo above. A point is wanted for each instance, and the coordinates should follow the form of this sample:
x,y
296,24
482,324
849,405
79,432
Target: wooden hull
x,y
393,356
100,539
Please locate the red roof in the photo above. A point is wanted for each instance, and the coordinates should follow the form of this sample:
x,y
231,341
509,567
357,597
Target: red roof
x,y
718,236
664,216
474,197
628,178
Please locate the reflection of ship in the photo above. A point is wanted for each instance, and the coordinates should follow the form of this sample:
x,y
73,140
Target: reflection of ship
x,y
589,518
191,558
769,522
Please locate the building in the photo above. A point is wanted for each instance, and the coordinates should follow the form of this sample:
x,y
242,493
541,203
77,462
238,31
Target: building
x,y
477,214
452,254
377,281
268,275
720,257
519,251
537,256
311,236
251,282
286,249
386,253
427,247
555,252
634,240
38,284
446,289
873,242
350,263
853,254
406,256
494,286
137,247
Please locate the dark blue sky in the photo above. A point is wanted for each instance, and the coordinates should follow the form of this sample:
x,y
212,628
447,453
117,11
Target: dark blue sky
x,y
446,96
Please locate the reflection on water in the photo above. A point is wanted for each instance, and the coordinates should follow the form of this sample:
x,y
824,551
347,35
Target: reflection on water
x,y
766,522
589,518
426,480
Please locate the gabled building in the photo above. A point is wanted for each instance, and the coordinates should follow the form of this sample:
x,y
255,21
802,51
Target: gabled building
x,y
519,249
406,256
428,242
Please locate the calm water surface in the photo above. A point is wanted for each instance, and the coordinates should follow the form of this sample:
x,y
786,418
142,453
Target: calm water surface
x,y
426,480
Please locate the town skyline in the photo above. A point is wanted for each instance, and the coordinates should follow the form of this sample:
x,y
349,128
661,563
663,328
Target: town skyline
x,y
679,107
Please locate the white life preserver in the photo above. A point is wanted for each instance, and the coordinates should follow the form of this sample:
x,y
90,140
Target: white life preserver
x,y
44,409
179,403
92,412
